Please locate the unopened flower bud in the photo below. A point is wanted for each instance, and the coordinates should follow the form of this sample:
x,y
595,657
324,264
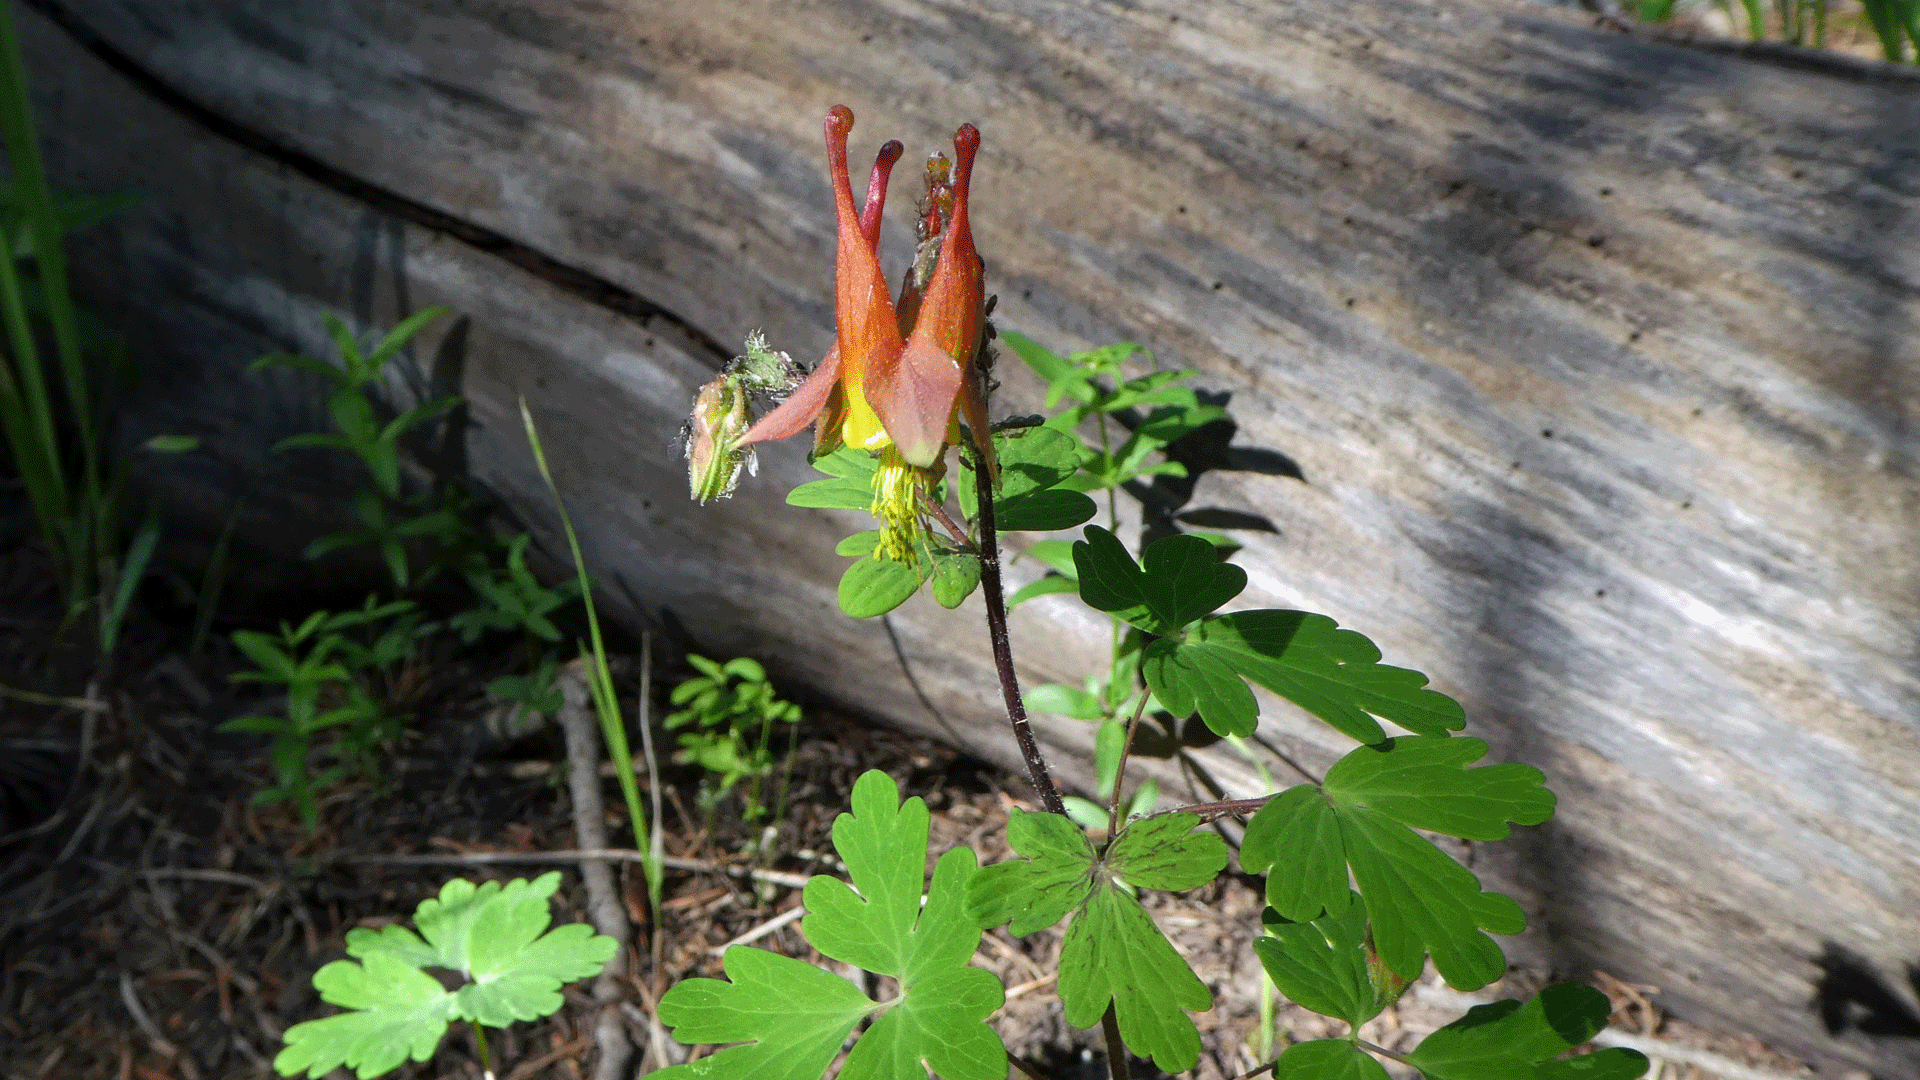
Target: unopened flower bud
x,y
714,454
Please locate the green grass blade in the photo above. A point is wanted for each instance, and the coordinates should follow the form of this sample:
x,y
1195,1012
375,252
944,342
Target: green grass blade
x,y
132,568
601,680
44,227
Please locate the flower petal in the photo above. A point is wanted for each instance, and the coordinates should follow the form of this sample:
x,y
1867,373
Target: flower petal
x,y
915,398
801,408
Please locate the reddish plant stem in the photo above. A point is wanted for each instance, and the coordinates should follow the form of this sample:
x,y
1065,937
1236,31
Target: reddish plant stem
x,y
995,597
1120,774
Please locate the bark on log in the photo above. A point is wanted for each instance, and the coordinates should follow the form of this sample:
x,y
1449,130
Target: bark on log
x,y
1595,354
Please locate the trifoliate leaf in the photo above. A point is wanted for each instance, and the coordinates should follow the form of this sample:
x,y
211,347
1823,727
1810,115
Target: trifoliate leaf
x,y
1332,673
1510,1041
1033,463
1052,878
399,1012
1322,965
1419,900
1327,1059
794,1019
524,984
1180,579
1113,952
494,936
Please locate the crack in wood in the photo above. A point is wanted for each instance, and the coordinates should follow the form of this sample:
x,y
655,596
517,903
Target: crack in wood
x,y
573,280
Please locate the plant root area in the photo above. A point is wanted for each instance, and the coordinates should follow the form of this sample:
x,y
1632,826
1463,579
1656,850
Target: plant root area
x,y
154,923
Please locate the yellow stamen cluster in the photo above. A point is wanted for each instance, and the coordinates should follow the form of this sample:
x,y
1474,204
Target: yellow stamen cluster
x,y
897,492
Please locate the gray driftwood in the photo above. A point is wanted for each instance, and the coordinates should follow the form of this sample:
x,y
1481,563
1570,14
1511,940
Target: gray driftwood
x,y
1594,356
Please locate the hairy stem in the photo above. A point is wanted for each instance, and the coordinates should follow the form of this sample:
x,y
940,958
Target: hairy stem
x,y
996,601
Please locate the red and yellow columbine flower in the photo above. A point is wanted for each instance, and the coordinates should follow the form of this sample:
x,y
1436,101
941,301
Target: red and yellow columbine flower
x,y
901,397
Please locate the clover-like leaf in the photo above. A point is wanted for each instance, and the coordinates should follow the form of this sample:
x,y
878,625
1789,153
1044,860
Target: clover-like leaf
x,y
1180,579
1510,1041
794,1019
1418,899
1322,965
1113,952
1332,673
495,936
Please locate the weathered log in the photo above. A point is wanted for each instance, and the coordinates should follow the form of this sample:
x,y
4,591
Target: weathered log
x,y
1595,354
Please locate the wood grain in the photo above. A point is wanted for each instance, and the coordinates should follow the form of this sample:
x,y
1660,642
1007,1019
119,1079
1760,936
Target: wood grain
x,y
1595,356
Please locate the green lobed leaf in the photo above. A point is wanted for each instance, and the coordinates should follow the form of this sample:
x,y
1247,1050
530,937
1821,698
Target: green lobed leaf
x,y
1322,965
1420,900
1327,1059
516,966
1052,877
1113,952
1111,581
1043,511
880,923
1509,1040
398,1012
1033,463
1167,853
1332,673
1179,580
1424,783
790,1017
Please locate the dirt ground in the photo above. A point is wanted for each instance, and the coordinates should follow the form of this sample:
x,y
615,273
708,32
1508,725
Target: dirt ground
x,y
155,924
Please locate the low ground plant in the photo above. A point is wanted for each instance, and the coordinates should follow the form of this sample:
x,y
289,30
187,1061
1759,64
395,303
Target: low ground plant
x,y
336,666
1895,24
56,412
730,711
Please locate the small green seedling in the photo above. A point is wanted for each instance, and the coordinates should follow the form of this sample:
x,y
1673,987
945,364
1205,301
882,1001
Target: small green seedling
x,y
495,939
733,709
326,661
